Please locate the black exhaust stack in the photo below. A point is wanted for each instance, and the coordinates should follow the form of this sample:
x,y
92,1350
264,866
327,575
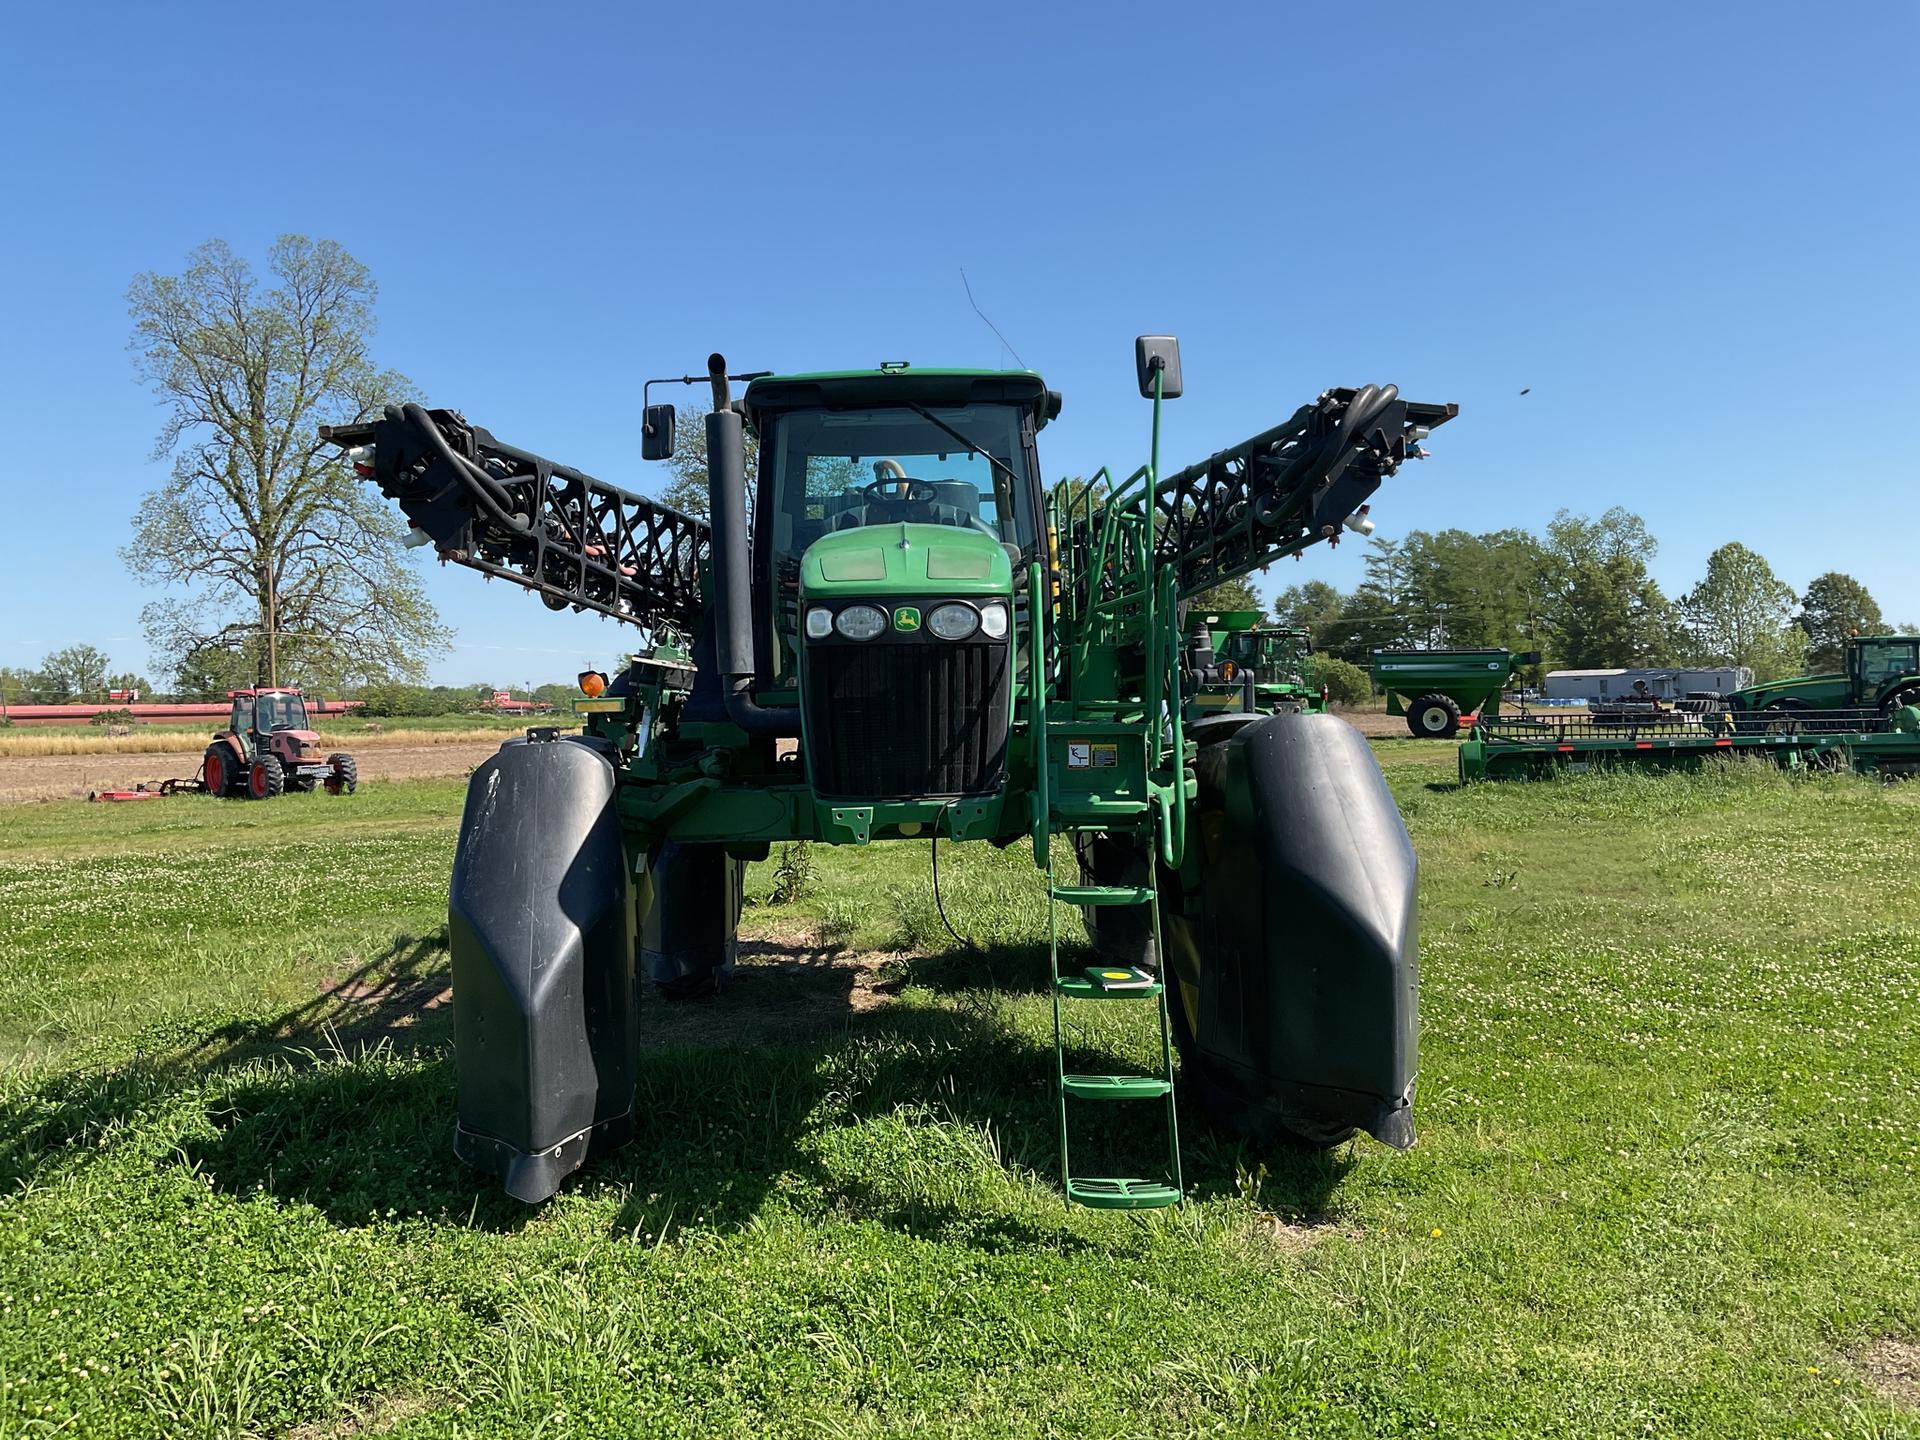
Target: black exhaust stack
x,y
732,575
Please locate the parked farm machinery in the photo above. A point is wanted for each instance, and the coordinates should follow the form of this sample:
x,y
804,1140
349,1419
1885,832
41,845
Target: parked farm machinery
x,y
1879,673
915,639
1436,689
1870,741
265,750
1241,664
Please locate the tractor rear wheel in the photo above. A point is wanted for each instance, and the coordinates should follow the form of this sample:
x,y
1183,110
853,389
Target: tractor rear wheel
x,y
1434,717
266,779
345,778
217,770
1908,696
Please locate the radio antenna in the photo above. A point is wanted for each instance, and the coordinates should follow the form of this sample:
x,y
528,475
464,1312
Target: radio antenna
x,y
990,325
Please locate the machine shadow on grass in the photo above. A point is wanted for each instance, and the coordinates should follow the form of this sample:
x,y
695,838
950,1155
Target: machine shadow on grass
x,y
737,1096
402,991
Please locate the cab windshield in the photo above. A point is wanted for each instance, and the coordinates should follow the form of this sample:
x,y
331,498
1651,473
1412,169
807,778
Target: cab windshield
x,y
837,469
280,712
830,470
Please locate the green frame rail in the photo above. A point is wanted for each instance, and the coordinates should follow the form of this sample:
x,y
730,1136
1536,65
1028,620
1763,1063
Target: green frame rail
x,y
1872,743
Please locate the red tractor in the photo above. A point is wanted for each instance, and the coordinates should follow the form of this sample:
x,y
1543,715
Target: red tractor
x,y
267,750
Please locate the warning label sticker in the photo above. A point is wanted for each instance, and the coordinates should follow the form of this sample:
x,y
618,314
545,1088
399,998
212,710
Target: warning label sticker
x,y
1079,755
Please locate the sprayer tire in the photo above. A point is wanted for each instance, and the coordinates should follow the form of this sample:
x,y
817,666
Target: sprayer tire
x,y
1434,717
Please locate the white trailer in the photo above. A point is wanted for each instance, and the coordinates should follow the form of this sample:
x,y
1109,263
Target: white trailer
x,y
1663,684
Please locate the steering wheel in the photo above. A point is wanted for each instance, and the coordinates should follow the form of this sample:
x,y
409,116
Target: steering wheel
x,y
893,493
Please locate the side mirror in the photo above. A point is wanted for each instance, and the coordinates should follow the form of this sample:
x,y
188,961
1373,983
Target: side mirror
x,y
656,435
1161,353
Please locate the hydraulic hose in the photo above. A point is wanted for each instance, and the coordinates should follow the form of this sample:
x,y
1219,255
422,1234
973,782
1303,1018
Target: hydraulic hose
x,y
484,488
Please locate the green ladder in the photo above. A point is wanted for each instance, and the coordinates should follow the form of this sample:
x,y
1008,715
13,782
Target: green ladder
x,y
1111,983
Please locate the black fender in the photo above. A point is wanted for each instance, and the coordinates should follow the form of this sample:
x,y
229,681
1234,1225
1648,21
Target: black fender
x,y
541,928
1293,943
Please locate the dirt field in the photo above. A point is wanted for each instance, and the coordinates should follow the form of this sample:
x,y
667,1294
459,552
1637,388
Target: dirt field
x,y
28,778
1375,723
64,777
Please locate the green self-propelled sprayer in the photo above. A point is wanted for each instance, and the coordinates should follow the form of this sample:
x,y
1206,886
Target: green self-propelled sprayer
x,y
912,637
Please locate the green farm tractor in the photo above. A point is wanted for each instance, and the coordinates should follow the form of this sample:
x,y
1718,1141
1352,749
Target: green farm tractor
x,y
1881,674
909,638
1253,666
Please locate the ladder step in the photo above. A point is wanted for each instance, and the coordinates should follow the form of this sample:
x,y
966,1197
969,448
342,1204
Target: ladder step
x,y
1122,1194
1115,1087
1102,894
1078,987
1070,809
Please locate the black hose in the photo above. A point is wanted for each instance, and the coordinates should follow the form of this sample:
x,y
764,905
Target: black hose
x,y
484,488
938,903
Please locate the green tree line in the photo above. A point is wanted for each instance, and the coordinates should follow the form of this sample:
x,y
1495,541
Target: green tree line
x,y
1581,594
84,674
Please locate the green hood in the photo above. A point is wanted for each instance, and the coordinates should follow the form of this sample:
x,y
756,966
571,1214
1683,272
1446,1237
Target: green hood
x,y
905,559
1826,689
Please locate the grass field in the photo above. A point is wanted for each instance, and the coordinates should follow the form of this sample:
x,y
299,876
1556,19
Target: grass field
x,y
1668,1179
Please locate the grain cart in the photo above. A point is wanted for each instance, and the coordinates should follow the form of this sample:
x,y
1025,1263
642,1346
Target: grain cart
x,y
1434,688
913,639
267,749
1254,666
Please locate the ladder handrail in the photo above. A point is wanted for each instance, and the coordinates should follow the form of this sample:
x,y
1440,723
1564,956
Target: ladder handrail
x,y
1038,656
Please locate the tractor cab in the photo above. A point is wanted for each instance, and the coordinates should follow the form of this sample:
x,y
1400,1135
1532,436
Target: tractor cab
x,y
1252,666
1875,662
880,465
897,512
1276,654
257,714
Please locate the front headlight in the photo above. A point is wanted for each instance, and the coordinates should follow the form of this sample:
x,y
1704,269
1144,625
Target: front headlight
x,y
819,623
993,620
860,622
953,621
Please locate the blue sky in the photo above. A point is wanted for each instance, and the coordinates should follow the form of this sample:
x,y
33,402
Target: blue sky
x,y
1689,230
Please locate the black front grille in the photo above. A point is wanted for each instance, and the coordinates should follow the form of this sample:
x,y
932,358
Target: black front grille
x,y
892,719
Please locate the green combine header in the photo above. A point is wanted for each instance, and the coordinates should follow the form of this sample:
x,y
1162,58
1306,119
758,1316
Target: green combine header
x,y
1524,747
915,641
